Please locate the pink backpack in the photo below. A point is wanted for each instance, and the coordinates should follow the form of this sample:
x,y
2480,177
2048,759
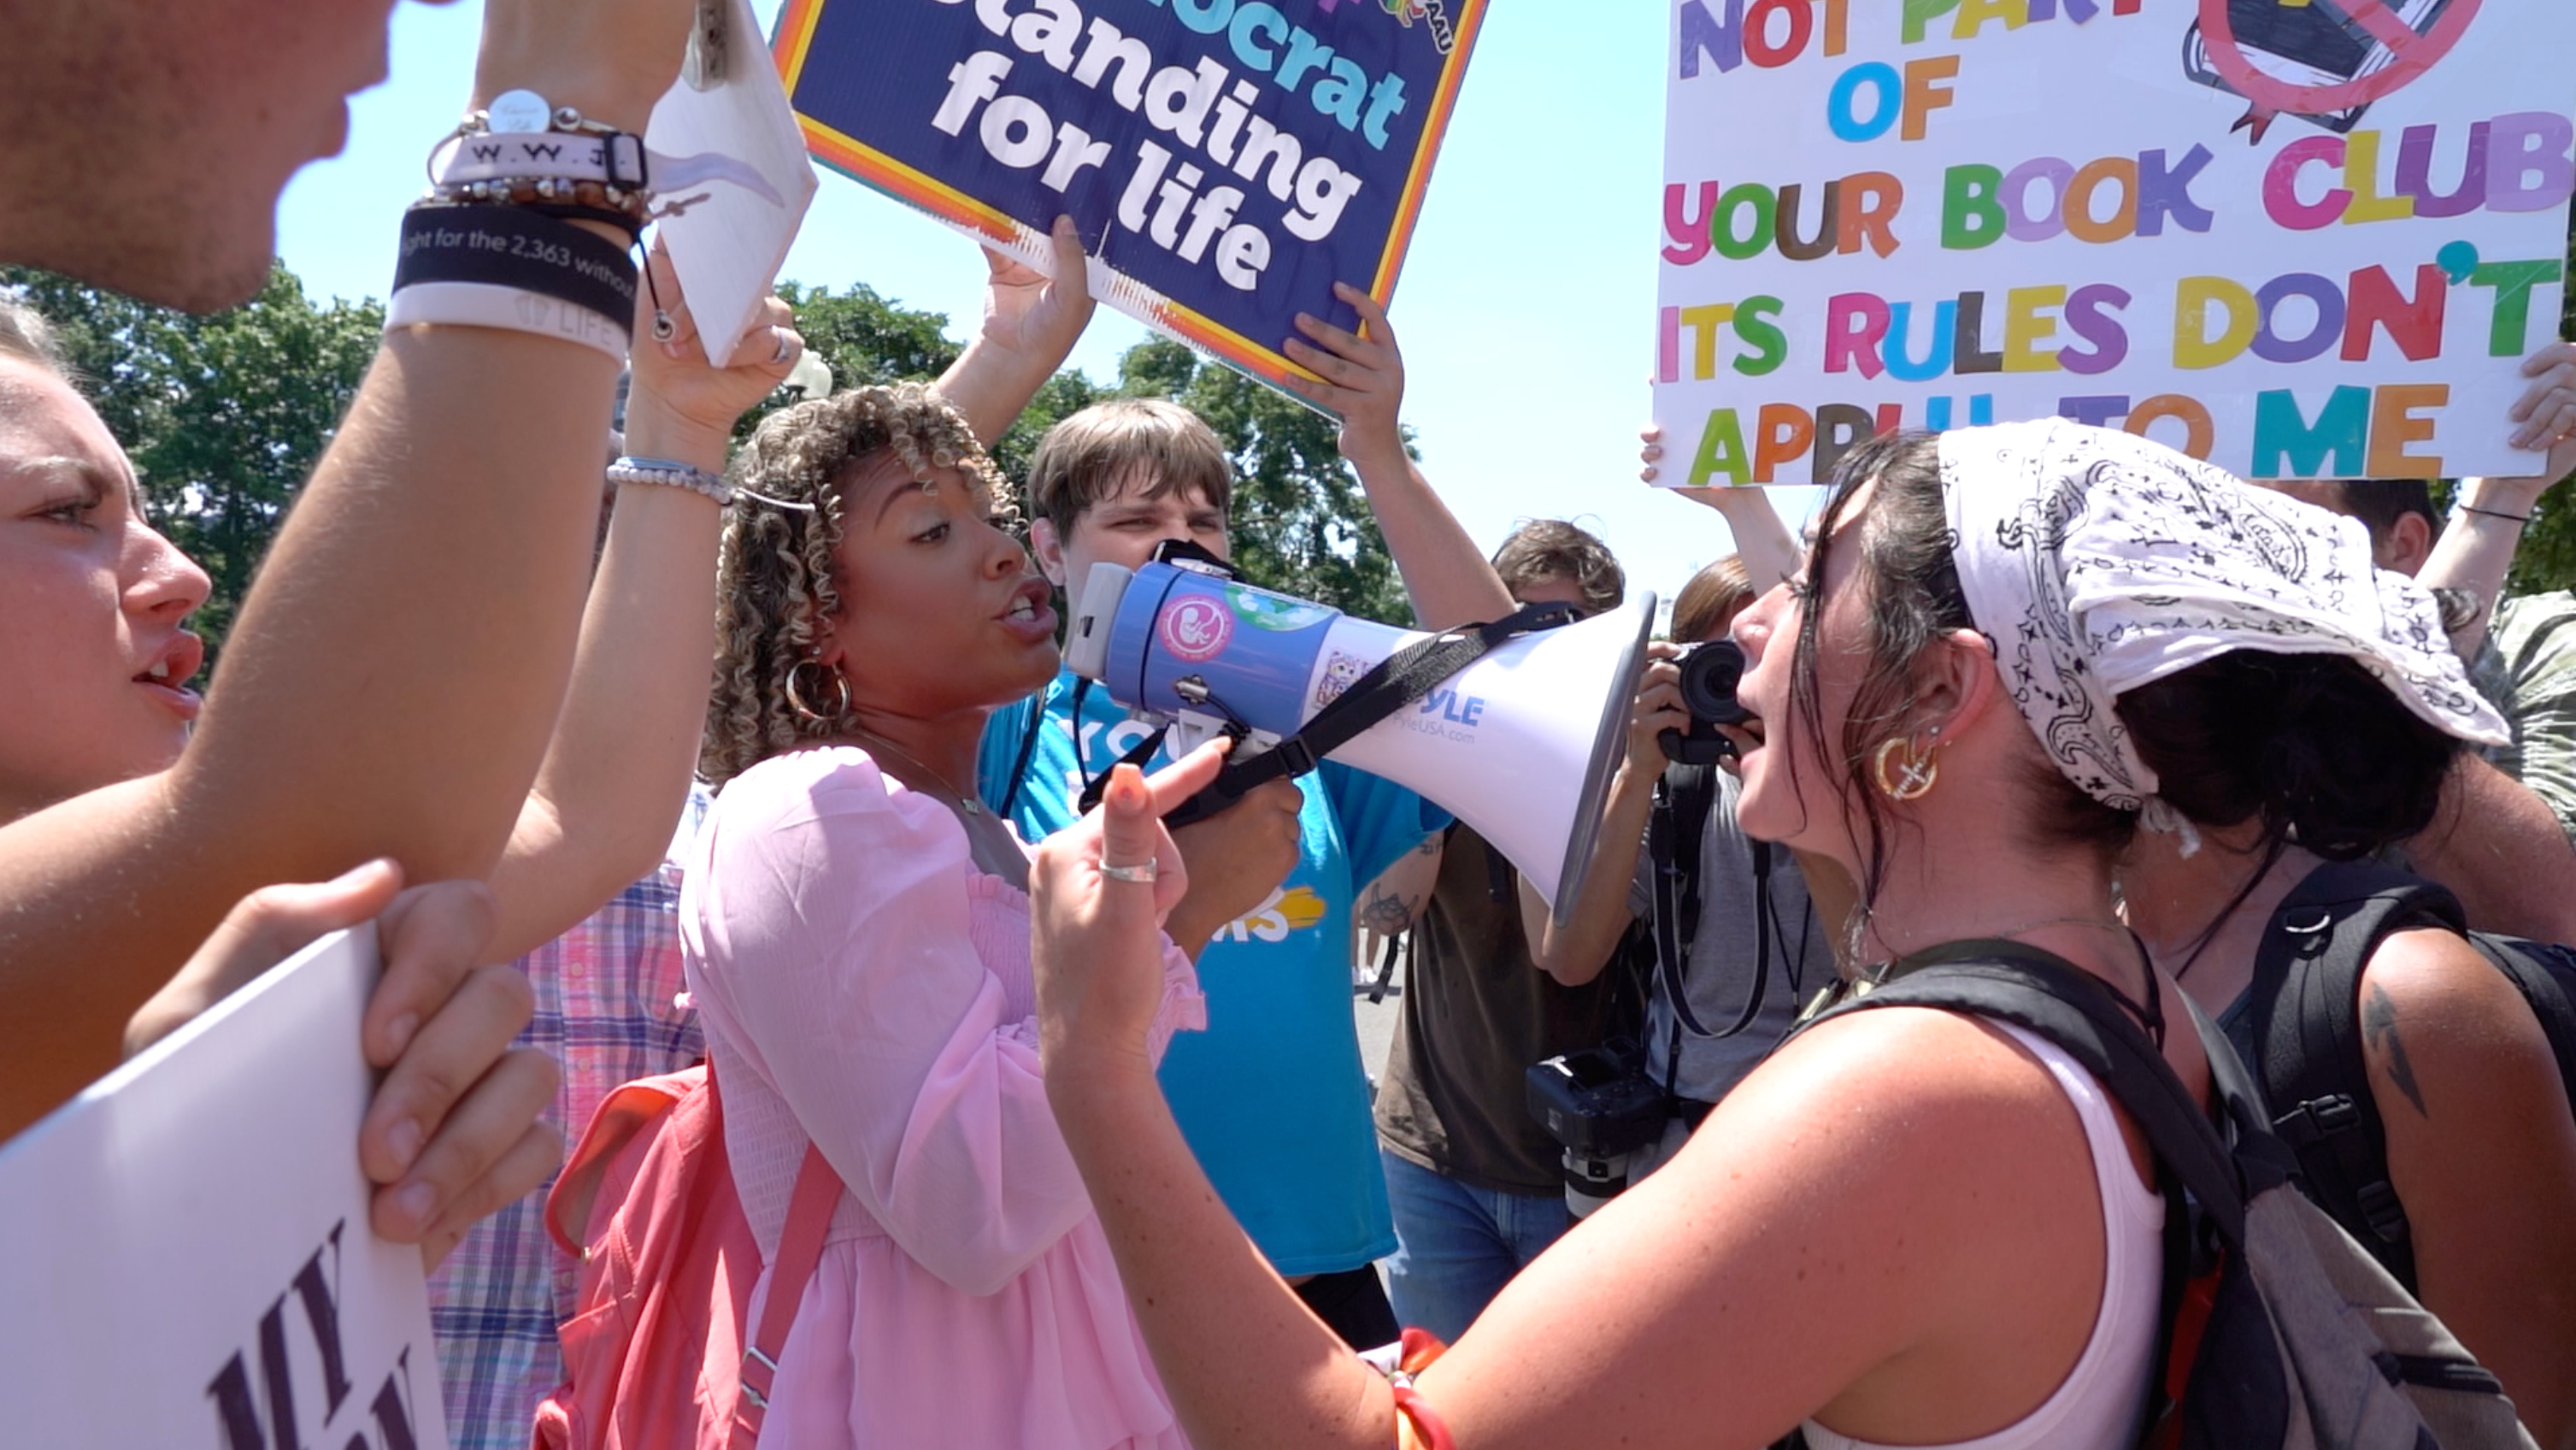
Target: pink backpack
x,y
654,1355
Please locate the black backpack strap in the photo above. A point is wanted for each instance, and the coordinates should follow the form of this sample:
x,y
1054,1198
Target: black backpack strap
x,y
1398,680
2305,1029
2013,982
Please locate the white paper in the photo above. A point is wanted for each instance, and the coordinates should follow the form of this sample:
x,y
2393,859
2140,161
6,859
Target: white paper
x,y
729,247
192,1232
2141,313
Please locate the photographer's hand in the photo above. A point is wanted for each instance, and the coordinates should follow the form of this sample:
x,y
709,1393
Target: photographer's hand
x,y
1658,708
1575,951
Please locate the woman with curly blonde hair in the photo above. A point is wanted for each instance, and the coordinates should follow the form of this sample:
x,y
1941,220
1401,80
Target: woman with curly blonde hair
x,y
857,938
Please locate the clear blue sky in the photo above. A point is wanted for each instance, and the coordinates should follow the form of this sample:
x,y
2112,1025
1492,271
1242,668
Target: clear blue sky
x,y
1525,309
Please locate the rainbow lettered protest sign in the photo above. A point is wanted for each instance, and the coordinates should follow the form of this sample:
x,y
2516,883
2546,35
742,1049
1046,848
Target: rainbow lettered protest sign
x,y
2299,238
1226,160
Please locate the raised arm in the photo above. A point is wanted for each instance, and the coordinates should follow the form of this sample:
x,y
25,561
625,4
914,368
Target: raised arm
x,y
1447,576
394,675
2501,850
616,774
1769,551
1031,322
2476,550
1762,1277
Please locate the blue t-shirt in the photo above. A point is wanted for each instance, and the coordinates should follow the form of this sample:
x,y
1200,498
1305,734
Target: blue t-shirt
x,y
1272,1097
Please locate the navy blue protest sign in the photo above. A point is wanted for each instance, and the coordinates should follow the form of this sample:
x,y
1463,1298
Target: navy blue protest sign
x,y
1227,161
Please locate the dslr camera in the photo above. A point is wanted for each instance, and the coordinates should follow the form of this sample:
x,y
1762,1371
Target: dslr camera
x,y
1709,675
1602,1107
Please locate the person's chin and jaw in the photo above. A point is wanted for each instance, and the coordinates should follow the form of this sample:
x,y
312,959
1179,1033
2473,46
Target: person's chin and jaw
x,y
214,121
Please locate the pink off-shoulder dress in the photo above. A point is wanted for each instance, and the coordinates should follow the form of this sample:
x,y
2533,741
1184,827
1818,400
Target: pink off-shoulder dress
x,y
865,987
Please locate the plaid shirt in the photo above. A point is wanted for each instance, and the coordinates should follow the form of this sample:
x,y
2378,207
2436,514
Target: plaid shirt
x,y
606,1012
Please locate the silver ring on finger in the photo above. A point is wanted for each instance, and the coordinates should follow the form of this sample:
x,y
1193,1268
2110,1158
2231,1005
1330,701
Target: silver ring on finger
x,y
785,349
1143,875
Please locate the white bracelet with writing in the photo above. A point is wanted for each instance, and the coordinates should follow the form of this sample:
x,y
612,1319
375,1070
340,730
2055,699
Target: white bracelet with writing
x,y
484,304
617,159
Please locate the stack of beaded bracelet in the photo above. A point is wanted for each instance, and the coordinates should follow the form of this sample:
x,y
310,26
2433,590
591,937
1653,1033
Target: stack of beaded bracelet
x,y
668,474
503,252
608,201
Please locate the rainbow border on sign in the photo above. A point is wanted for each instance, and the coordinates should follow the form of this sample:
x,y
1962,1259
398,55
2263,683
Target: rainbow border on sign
x,y
794,32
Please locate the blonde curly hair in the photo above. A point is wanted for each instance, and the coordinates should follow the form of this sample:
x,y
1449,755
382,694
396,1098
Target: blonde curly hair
x,y
774,583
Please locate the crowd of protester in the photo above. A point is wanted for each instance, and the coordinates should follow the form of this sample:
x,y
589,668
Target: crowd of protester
x,y
1110,1168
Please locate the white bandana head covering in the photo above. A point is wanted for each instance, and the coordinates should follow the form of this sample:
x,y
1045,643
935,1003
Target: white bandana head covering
x,y
2098,562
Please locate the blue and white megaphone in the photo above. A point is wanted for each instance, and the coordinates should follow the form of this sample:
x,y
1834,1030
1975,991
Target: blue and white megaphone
x,y
1520,745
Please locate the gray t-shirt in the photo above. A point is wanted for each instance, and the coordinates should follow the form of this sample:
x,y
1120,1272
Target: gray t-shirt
x,y
1722,959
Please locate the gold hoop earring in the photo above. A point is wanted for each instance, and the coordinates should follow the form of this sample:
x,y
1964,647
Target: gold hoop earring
x,y
796,697
1915,778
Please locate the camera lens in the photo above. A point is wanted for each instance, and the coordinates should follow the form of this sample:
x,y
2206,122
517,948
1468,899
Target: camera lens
x,y
1709,675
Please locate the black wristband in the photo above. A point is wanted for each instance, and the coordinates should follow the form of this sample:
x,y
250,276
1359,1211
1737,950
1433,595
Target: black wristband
x,y
511,246
2495,513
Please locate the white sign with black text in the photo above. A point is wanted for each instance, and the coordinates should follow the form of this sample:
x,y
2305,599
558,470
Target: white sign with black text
x,y
184,1252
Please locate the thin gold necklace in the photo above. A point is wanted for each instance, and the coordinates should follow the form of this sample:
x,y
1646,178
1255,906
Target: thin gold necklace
x,y
963,802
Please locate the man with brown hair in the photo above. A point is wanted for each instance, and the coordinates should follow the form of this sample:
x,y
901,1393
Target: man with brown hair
x,y
1272,1097
1473,1180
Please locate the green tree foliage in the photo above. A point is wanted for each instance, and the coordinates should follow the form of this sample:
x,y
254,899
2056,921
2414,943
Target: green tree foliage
x,y
1301,524
867,340
223,415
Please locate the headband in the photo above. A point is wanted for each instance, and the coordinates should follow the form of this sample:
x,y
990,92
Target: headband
x,y
2097,562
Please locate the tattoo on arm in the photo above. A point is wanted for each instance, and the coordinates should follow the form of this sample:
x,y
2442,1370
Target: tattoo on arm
x,y
2379,1029
1430,846
1386,913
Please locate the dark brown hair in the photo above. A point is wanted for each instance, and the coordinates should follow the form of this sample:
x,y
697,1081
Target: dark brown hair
x,y
1710,601
1908,567
1543,549
2313,745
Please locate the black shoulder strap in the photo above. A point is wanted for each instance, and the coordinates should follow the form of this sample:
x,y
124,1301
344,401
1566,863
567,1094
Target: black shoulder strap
x,y
2303,1015
1398,680
2020,984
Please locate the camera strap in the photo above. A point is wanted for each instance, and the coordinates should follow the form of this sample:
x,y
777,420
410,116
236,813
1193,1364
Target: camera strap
x,y
1684,795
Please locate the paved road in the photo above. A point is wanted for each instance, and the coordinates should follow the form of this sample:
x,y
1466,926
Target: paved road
x,y
1377,1026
